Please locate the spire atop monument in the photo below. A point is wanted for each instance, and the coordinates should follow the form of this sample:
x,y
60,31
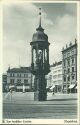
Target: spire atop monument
x,y
39,17
40,27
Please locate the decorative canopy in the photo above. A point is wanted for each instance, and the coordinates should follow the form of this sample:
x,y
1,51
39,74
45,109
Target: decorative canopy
x,y
71,86
39,35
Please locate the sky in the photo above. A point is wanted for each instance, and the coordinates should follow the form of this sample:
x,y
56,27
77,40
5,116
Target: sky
x,y
20,21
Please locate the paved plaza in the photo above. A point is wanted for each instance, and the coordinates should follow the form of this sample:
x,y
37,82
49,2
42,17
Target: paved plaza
x,y
20,105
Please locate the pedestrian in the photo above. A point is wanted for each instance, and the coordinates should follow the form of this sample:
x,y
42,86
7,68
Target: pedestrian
x,y
11,93
53,93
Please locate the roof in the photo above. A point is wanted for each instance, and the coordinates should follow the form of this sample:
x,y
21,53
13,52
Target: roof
x,y
19,70
56,64
39,36
68,48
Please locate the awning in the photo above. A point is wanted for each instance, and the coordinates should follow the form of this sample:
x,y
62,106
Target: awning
x,y
23,87
27,87
52,87
19,87
71,86
76,87
47,87
11,86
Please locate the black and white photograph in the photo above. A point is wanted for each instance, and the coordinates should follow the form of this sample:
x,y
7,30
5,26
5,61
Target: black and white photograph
x,y
40,62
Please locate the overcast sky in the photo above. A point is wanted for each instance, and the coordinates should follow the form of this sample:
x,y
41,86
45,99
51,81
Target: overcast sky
x,y
20,21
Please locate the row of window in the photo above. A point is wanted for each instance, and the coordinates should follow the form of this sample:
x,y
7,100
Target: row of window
x,y
57,70
18,75
68,70
64,87
18,81
59,75
72,61
69,53
58,81
68,78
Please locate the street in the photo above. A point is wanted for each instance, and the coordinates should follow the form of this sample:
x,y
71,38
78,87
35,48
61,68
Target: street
x,y
56,107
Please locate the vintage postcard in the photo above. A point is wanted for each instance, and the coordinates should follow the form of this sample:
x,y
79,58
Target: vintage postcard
x,y
39,59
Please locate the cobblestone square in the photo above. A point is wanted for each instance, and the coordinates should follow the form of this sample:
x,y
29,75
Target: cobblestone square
x,y
22,105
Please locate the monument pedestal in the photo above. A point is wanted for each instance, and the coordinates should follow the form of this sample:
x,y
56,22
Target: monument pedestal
x,y
40,93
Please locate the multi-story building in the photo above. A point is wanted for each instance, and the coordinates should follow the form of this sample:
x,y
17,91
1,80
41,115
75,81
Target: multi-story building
x,y
4,82
69,66
19,78
49,80
54,79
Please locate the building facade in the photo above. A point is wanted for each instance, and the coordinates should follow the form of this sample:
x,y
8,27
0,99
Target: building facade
x,y
69,66
4,82
20,79
54,79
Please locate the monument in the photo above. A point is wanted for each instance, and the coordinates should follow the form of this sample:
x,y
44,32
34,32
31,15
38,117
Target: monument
x,y
40,61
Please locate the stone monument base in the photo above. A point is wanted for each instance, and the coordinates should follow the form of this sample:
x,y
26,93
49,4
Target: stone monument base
x,y
38,96
40,93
